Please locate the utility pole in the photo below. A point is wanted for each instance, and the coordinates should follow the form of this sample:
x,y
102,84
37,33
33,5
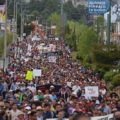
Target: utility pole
x,y
5,39
61,7
109,26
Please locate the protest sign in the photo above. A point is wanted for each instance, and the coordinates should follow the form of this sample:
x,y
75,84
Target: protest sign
x,y
91,91
29,75
52,47
52,59
37,73
107,117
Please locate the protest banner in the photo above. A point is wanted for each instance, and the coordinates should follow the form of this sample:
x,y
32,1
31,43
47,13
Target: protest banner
x,y
91,91
107,117
37,73
29,75
59,53
52,59
43,88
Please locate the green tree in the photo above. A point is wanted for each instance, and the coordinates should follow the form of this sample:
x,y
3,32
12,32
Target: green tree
x,y
102,58
28,28
86,41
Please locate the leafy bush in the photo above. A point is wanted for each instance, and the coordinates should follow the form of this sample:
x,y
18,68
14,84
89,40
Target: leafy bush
x,y
116,80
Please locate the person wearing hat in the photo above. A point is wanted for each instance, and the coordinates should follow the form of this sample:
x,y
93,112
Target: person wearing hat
x,y
51,89
39,113
20,116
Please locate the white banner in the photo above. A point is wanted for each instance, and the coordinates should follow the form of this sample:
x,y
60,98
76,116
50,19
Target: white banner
x,y
107,117
52,59
37,73
91,91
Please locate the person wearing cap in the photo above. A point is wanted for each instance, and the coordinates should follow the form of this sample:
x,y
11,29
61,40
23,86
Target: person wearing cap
x,y
39,113
51,89
26,111
48,95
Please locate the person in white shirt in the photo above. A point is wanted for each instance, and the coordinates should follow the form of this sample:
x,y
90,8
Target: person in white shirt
x,y
76,88
31,87
14,112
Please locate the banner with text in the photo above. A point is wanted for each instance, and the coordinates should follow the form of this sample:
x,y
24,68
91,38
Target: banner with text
x,y
52,59
91,91
98,7
107,117
37,73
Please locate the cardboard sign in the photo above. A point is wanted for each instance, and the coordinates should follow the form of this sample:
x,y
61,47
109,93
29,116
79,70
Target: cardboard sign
x,y
52,59
37,73
91,91
29,75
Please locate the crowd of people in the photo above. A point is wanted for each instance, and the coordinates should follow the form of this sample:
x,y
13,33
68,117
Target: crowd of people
x,y
21,99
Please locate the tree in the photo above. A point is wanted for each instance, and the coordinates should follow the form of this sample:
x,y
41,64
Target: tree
x,y
28,28
102,58
55,19
86,41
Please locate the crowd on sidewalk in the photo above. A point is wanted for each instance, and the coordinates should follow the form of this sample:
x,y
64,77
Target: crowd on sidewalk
x,y
21,99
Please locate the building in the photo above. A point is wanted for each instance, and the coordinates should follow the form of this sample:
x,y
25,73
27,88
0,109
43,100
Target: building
x,y
115,35
77,2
